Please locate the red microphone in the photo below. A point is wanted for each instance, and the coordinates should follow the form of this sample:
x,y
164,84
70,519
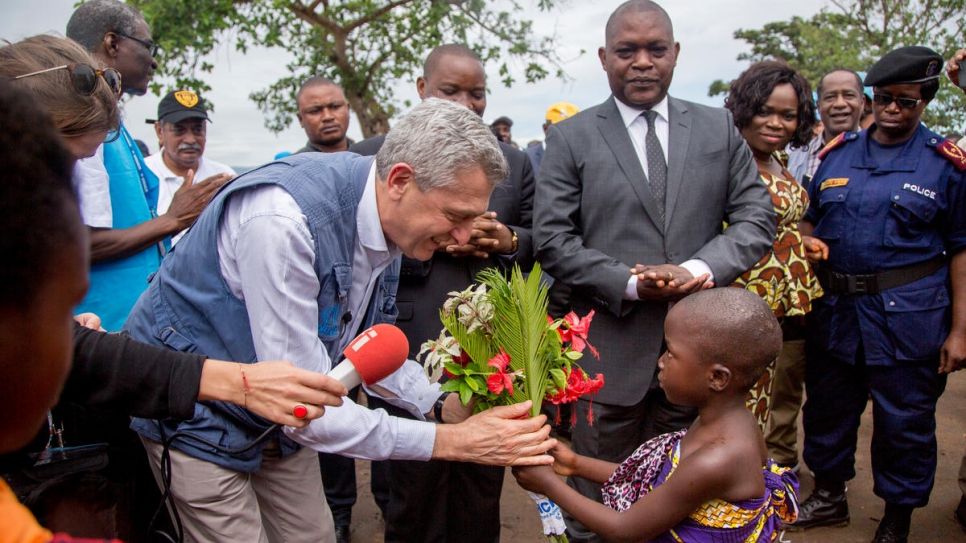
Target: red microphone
x,y
372,356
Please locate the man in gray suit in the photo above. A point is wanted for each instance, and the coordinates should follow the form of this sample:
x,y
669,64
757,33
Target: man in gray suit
x,y
648,181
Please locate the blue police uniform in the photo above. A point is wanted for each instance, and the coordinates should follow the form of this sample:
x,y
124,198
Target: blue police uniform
x,y
891,217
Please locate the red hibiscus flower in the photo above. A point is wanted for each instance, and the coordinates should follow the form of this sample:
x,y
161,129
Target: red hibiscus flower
x,y
501,380
578,384
463,360
577,330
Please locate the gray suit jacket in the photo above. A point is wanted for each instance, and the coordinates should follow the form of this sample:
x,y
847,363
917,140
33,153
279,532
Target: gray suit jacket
x,y
594,218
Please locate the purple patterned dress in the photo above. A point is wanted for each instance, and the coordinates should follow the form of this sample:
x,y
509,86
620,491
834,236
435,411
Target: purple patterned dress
x,y
715,521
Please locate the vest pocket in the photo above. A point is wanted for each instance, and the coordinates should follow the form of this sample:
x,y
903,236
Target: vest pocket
x,y
333,302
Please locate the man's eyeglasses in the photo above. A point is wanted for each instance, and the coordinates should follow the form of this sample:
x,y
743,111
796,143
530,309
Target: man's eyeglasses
x,y
886,99
84,77
149,45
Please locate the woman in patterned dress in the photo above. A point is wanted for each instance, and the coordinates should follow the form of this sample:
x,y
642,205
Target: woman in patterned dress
x,y
772,107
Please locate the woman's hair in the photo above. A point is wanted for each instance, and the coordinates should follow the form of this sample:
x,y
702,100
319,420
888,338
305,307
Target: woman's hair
x,y
753,88
74,114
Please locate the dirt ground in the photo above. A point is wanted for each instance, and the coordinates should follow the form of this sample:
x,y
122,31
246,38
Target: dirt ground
x,y
934,523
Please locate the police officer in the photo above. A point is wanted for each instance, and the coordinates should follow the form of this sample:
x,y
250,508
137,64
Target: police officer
x,y
888,203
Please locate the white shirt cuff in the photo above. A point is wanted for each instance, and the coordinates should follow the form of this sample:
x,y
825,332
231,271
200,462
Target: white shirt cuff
x,y
698,267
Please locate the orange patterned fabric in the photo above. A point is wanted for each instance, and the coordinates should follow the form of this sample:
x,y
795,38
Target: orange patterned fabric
x,y
17,525
783,277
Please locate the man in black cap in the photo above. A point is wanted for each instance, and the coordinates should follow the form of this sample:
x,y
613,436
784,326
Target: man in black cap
x,y
888,203
503,125
182,132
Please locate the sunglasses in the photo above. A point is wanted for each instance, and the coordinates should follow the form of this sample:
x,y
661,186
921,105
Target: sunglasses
x,y
150,46
84,78
886,99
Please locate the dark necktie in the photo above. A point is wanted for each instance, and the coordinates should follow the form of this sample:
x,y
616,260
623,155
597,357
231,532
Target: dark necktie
x,y
656,165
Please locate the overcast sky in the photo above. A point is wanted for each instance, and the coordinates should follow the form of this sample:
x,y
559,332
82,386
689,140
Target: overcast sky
x,y
237,136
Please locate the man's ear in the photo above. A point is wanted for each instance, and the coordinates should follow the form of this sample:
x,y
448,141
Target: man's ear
x,y
719,377
421,87
109,45
401,178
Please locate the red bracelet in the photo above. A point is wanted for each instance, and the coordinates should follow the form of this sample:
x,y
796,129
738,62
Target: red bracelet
x,y
244,383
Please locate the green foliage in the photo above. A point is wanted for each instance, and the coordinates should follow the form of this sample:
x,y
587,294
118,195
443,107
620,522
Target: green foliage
x,y
853,34
364,45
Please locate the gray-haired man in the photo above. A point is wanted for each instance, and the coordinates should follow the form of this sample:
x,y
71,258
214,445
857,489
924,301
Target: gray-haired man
x,y
298,257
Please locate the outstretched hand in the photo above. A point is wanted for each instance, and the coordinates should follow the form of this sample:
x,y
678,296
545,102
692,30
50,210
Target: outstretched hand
x,y
498,437
952,67
536,478
191,198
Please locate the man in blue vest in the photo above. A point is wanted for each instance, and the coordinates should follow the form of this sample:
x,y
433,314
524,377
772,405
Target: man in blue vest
x,y
298,257
118,193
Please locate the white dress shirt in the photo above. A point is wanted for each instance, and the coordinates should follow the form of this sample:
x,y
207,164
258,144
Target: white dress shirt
x,y
169,183
266,254
636,126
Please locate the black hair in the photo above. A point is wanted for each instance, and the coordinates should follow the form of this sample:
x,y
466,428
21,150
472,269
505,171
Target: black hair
x,y
447,50
92,20
639,6
858,81
738,330
35,192
315,81
753,88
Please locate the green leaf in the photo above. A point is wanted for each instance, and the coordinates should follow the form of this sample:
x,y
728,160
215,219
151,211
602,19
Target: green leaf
x,y
367,46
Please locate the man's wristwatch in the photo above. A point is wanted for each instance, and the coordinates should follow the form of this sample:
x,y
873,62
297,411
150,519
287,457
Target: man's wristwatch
x,y
438,407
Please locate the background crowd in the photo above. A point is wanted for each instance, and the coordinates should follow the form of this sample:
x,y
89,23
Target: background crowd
x,y
851,233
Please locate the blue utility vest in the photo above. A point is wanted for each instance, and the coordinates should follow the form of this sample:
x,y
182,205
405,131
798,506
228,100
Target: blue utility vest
x,y
116,285
189,307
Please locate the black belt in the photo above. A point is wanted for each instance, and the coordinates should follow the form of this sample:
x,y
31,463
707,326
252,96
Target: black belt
x,y
871,284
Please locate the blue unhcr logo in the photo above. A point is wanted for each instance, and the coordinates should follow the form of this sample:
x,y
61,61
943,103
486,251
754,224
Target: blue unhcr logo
x,y
329,321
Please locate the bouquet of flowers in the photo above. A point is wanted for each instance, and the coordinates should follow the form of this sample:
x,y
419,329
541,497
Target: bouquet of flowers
x,y
499,347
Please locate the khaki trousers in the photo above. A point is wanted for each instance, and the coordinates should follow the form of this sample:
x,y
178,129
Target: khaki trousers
x,y
282,503
781,435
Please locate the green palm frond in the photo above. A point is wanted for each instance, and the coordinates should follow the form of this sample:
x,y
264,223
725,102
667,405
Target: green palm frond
x,y
520,327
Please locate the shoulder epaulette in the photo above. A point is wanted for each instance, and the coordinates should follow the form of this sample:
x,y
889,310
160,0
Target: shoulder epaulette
x,y
836,141
953,153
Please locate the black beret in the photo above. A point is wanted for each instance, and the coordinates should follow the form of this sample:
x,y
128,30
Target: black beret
x,y
911,64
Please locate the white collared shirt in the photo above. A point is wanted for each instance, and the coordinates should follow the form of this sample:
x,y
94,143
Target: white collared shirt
x,y
636,126
169,183
267,254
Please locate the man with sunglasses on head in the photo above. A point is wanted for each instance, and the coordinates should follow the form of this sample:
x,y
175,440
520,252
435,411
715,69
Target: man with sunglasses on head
x,y
118,192
888,203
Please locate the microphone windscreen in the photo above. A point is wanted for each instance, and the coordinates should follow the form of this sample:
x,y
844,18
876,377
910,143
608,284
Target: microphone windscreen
x,y
378,352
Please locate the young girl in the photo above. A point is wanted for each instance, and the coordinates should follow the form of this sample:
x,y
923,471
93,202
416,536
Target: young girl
x,y
712,482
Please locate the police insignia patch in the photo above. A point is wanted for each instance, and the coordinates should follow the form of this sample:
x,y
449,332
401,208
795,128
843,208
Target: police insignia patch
x,y
186,98
831,145
953,153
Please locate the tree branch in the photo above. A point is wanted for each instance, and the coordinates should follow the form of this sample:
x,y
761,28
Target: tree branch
x,y
376,14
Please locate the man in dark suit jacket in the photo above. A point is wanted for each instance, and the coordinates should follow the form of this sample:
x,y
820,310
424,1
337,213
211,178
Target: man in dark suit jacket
x,y
440,502
597,214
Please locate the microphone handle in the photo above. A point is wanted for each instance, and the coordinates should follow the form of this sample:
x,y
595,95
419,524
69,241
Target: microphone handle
x,y
346,374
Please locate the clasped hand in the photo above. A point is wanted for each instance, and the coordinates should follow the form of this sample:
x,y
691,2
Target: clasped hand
x,y
489,236
667,282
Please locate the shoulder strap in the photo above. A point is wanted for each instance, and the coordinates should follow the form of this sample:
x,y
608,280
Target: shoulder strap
x,y
952,153
836,141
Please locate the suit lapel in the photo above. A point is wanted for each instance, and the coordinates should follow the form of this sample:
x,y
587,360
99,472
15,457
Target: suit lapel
x,y
679,137
612,128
